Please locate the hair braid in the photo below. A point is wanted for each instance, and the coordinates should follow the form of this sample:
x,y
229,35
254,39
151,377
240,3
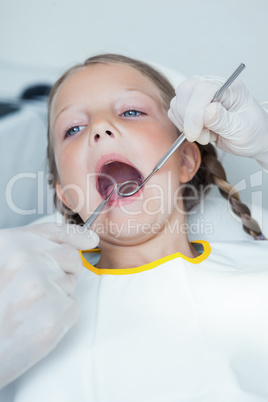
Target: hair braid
x,y
216,175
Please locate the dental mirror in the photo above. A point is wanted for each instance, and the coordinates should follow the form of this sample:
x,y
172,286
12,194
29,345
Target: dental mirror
x,y
131,187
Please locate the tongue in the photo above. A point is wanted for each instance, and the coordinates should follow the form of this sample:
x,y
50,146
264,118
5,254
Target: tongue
x,y
116,172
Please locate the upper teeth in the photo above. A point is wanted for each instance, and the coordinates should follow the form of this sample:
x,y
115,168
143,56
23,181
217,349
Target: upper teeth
x,y
107,163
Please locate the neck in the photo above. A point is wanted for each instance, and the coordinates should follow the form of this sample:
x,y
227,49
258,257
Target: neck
x,y
164,243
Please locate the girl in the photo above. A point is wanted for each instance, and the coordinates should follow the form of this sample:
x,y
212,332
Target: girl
x,y
162,319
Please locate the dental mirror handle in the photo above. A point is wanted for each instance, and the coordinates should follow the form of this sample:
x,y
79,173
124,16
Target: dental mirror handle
x,y
182,137
164,158
99,209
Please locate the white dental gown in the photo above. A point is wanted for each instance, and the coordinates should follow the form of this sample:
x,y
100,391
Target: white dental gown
x,y
176,330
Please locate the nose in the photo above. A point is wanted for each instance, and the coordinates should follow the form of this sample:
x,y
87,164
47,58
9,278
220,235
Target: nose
x,y
102,129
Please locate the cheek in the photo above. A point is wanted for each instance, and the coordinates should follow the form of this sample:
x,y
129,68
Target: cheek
x,y
77,178
155,139
163,136
71,178
68,164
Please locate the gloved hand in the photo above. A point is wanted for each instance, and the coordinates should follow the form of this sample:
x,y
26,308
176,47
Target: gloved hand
x,y
237,124
39,269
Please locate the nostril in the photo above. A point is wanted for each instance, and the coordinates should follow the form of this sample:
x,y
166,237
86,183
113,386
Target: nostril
x,y
97,136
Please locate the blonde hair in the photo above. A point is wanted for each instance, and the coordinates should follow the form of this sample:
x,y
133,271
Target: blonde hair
x,y
210,172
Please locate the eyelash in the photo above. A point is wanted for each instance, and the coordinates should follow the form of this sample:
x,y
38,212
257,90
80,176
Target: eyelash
x,y
68,132
133,110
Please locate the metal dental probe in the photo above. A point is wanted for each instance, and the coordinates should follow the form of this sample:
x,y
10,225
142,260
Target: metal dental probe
x,y
161,162
99,209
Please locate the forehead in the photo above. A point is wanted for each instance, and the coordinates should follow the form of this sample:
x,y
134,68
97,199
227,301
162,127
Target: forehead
x,y
104,79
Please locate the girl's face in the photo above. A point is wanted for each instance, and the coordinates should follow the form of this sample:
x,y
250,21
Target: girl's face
x,y
109,120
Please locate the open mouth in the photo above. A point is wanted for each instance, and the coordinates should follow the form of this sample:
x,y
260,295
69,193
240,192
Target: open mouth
x,y
116,172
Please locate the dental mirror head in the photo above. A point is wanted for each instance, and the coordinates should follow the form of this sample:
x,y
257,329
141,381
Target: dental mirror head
x,y
128,188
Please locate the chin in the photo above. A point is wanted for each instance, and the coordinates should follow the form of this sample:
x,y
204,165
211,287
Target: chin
x,y
128,233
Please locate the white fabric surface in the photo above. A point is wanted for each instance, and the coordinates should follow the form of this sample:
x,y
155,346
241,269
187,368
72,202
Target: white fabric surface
x,y
23,181
175,333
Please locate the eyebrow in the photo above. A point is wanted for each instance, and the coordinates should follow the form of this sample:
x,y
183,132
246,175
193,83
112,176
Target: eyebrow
x,y
157,98
140,91
125,90
61,111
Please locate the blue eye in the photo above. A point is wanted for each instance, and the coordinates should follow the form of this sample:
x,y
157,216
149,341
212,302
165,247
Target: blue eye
x,y
73,130
131,113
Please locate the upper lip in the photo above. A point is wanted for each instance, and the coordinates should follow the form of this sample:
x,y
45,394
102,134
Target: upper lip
x,y
112,157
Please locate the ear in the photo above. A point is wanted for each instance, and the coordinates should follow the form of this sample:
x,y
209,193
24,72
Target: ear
x,y
61,194
190,161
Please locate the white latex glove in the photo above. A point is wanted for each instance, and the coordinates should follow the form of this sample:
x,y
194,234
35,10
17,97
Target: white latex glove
x,y
237,124
39,269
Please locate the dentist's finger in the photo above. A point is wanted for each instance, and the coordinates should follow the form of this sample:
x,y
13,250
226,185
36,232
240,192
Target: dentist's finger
x,y
194,112
75,235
